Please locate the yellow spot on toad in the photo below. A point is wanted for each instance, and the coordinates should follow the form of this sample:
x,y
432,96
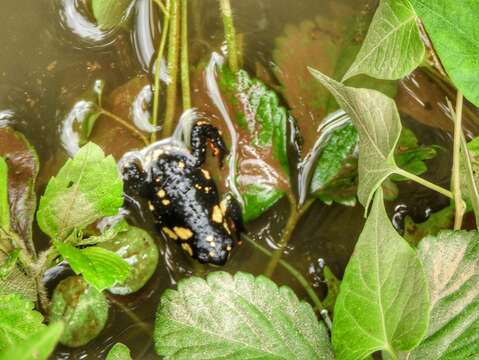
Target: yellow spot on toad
x,y
187,248
169,233
217,215
181,164
210,238
166,202
151,206
206,174
183,233
161,193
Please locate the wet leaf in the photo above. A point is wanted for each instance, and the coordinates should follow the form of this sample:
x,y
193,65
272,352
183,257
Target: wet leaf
x,y
383,303
18,320
330,42
38,346
119,352
139,250
451,262
110,13
452,27
23,166
99,267
83,310
86,189
263,321
262,176
392,48
376,118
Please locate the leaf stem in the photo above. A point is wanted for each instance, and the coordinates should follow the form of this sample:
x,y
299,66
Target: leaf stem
x,y
173,59
161,50
295,273
125,124
425,183
185,68
230,34
456,175
294,217
145,327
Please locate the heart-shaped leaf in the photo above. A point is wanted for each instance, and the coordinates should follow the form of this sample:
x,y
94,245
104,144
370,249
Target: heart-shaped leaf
x,y
240,317
119,352
110,13
383,303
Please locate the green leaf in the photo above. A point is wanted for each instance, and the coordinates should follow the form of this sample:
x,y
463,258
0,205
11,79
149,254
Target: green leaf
x,y
119,352
17,282
4,206
262,174
101,268
38,346
393,47
240,317
469,173
18,320
9,264
376,118
87,188
383,303
451,262
333,284
452,27
110,13
139,250
82,309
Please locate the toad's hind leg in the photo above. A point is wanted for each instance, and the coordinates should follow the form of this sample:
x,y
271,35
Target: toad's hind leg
x,y
231,209
203,134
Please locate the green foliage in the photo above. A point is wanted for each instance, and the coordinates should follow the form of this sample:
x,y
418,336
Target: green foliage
x,y
99,267
333,284
443,219
383,302
263,130
110,13
376,118
38,346
393,47
4,206
451,263
119,352
139,250
86,189
82,309
453,29
18,320
237,318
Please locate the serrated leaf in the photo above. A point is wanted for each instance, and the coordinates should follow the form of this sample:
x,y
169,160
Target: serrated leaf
x,y
4,207
18,320
110,13
23,166
452,27
383,303
240,317
99,267
262,176
82,309
87,188
38,346
119,352
451,263
17,282
392,48
376,118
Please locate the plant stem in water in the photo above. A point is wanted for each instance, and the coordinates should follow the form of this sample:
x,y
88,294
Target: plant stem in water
x,y
456,175
131,314
125,124
230,34
294,217
425,183
173,59
295,273
185,66
161,50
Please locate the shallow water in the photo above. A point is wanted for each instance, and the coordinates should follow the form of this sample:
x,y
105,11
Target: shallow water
x,y
52,56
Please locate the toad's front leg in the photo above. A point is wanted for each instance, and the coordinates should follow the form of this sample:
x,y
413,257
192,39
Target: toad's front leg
x,y
204,135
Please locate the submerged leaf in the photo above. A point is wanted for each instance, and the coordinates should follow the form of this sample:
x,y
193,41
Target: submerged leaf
x,y
83,310
376,118
38,346
18,320
99,267
238,317
451,262
87,188
263,167
383,303
110,13
119,352
139,250
452,27
392,48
